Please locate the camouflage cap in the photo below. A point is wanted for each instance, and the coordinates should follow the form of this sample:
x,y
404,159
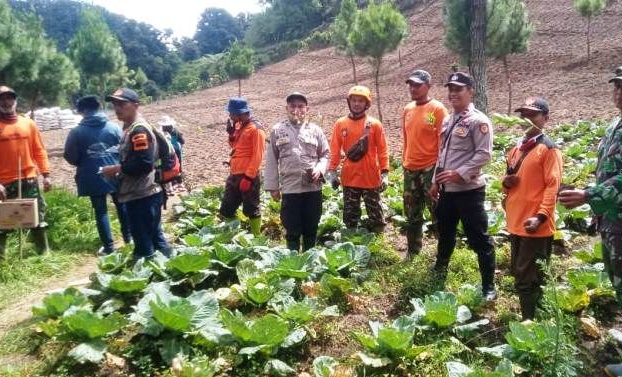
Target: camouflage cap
x,y
538,104
419,77
618,75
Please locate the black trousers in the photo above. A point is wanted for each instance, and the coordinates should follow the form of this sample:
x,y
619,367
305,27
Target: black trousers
x,y
300,215
233,197
467,207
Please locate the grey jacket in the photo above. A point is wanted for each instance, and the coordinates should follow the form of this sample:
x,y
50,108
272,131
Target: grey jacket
x,y
466,147
293,151
137,178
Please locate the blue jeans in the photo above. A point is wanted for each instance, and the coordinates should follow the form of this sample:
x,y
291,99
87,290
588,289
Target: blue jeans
x,y
146,227
100,206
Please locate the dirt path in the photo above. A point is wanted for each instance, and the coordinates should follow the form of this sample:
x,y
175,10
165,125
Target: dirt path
x,y
21,310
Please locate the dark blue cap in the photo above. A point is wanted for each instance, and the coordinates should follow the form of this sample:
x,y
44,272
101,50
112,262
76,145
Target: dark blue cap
x,y
124,94
238,106
460,79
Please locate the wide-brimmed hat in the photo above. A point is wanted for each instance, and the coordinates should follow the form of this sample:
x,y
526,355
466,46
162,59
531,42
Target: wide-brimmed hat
x,y
237,106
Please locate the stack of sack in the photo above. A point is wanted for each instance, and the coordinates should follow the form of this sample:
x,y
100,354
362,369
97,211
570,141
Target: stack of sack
x,y
55,118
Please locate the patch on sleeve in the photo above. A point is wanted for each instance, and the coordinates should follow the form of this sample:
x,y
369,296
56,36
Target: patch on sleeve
x,y
140,142
483,128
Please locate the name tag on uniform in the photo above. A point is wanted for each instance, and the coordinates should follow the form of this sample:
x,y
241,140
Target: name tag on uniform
x,y
281,140
461,131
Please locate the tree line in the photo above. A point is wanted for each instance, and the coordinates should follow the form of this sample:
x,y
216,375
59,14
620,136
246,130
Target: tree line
x,y
88,49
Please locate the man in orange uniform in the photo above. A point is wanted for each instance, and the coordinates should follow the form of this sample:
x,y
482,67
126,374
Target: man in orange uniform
x,y
366,166
534,171
247,140
20,140
422,121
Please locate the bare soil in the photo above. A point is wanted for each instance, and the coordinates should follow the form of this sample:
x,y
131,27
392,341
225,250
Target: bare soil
x,y
554,67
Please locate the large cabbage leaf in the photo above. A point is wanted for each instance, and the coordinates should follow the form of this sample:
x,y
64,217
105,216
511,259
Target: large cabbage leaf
x,y
83,323
189,262
304,311
55,304
266,333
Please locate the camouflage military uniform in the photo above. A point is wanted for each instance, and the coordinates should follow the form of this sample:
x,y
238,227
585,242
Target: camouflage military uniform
x,y
30,189
416,185
605,199
373,206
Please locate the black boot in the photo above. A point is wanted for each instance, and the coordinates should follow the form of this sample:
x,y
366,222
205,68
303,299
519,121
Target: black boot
x,y
40,238
3,238
528,302
293,243
308,242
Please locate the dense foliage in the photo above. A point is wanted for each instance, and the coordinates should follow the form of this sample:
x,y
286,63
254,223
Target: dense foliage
x,y
30,62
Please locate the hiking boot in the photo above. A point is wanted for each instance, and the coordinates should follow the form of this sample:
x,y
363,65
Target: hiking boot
x,y
613,370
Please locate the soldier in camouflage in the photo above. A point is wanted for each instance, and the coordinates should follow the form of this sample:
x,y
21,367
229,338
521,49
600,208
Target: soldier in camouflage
x,y
422,121
605,198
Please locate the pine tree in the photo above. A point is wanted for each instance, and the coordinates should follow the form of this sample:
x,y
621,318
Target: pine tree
x,y
379,29
588,9
98,55
477,52
470,25
512,38
239,63
341,30
30,63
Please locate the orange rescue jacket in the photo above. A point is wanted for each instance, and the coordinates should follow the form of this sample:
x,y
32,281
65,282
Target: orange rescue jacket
x,y
539,177
247,148
421,130
364,173
21,139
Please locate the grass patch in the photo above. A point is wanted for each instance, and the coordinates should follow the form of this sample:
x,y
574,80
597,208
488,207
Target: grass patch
x,y
19,277
72,235
20,339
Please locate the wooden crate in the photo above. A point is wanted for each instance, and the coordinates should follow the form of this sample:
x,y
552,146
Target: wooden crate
x,y
19,213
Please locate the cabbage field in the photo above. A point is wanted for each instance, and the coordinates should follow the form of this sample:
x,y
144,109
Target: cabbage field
x,y
229,304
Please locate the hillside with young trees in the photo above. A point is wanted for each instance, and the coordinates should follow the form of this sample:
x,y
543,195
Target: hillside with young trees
x,y
230,304
554,66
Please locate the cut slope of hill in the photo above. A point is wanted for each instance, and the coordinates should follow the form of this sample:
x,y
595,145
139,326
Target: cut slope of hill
x,y
554,67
